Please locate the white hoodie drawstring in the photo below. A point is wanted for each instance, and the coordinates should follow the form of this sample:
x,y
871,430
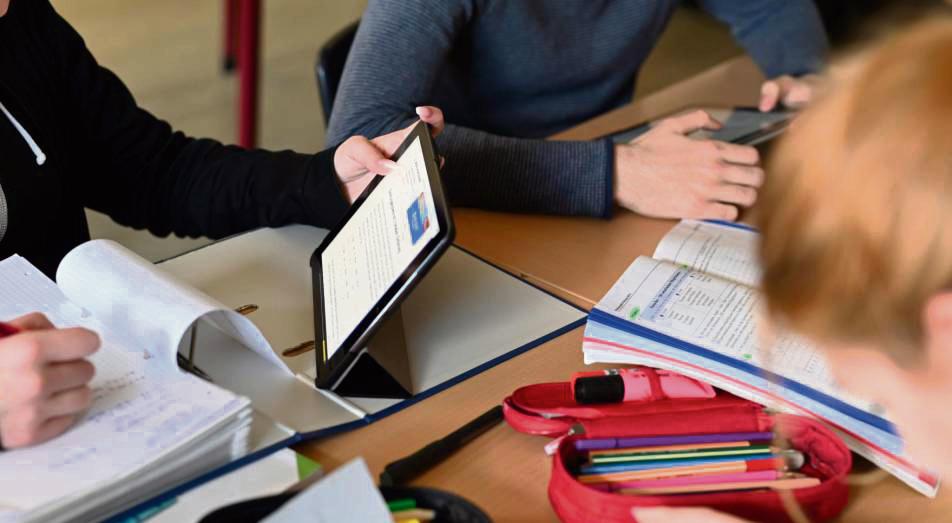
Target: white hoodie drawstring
x,y
40,157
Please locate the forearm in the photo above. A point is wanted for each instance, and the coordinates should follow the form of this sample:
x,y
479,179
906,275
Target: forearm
x,y
521,175
205,188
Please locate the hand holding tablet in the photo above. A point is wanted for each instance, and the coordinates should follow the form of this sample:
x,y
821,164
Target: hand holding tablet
x,y
392,235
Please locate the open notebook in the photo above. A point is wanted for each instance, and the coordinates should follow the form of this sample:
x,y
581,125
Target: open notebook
x,y
692,308
151,426
465,317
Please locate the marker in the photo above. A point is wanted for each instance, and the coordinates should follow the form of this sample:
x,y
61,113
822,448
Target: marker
x,y
635,384
619,443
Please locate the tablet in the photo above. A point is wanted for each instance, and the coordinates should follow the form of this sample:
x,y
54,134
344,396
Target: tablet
x,y
742,125
392,235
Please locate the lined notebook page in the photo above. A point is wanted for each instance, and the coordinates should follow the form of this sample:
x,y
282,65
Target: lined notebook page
x,y
142,409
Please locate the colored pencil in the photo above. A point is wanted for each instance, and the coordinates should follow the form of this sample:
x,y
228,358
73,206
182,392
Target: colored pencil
x,y
608,468
670,448
700,453
726,467
761,475
776,484
616,443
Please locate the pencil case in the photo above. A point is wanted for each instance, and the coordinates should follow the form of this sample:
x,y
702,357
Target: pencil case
x,y
549,409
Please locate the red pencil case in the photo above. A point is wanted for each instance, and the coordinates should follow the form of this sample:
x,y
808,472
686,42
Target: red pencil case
x,y
549,409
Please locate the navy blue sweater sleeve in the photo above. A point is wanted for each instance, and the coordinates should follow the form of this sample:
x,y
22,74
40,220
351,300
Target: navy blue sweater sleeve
x,y
143,174
782,36
394,66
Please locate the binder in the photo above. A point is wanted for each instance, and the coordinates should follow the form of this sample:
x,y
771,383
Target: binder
x,y
465,317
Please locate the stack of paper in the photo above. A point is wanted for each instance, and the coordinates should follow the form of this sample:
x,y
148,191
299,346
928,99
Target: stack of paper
x,y
692,308
150,427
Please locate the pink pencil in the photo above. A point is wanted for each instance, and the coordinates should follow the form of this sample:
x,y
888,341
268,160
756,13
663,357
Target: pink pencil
x,y
761,475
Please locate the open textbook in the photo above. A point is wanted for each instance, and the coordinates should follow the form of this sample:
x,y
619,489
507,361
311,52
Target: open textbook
x,y
151,426
692,308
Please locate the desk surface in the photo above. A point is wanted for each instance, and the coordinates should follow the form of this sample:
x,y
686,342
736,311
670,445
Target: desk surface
x,y
503,471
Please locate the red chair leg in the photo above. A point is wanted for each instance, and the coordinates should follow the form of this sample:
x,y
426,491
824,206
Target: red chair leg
x,y
249,26
230,35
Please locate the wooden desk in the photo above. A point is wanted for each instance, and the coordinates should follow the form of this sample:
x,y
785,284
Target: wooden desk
x,y
503,471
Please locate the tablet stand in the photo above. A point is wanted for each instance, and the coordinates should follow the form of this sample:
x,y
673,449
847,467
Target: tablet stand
x,y
382,369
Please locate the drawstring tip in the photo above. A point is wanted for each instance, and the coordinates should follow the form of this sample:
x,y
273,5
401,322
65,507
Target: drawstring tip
x,y
40,159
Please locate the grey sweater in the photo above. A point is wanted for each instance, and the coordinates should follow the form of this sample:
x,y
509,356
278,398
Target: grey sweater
x,y
510,72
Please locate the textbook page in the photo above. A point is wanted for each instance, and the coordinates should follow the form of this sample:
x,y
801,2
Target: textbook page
x,y
715,314
728,251
141,302
140,412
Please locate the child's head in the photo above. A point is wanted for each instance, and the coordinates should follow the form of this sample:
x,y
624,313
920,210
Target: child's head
x,y
856,216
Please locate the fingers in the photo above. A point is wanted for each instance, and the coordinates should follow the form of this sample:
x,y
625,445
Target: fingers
x,y
739,154
742,175
786,90
686,123
736,194
67,402
432,116
59,377
35,386
15,434
32,321
52,428
36,348
798,95
769,95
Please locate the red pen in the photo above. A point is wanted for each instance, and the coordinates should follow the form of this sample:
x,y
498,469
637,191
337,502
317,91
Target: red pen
x,y
7,330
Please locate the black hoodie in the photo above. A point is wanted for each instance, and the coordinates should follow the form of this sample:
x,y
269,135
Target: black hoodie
x,y
72,136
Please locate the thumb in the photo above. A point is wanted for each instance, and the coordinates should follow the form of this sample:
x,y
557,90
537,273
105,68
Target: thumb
x,y
358,156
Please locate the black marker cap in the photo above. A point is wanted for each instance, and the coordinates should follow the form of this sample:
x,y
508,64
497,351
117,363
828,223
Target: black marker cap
x,y
600,389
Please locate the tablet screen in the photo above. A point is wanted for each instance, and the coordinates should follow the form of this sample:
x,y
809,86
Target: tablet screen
x,y
376,245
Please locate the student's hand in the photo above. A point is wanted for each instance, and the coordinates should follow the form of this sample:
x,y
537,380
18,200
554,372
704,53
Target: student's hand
x,y
44,379
787,91
682,515
665,174
358,159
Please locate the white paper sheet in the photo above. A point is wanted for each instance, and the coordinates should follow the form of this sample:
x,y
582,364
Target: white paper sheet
x,y
141,302
347,495
719,250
